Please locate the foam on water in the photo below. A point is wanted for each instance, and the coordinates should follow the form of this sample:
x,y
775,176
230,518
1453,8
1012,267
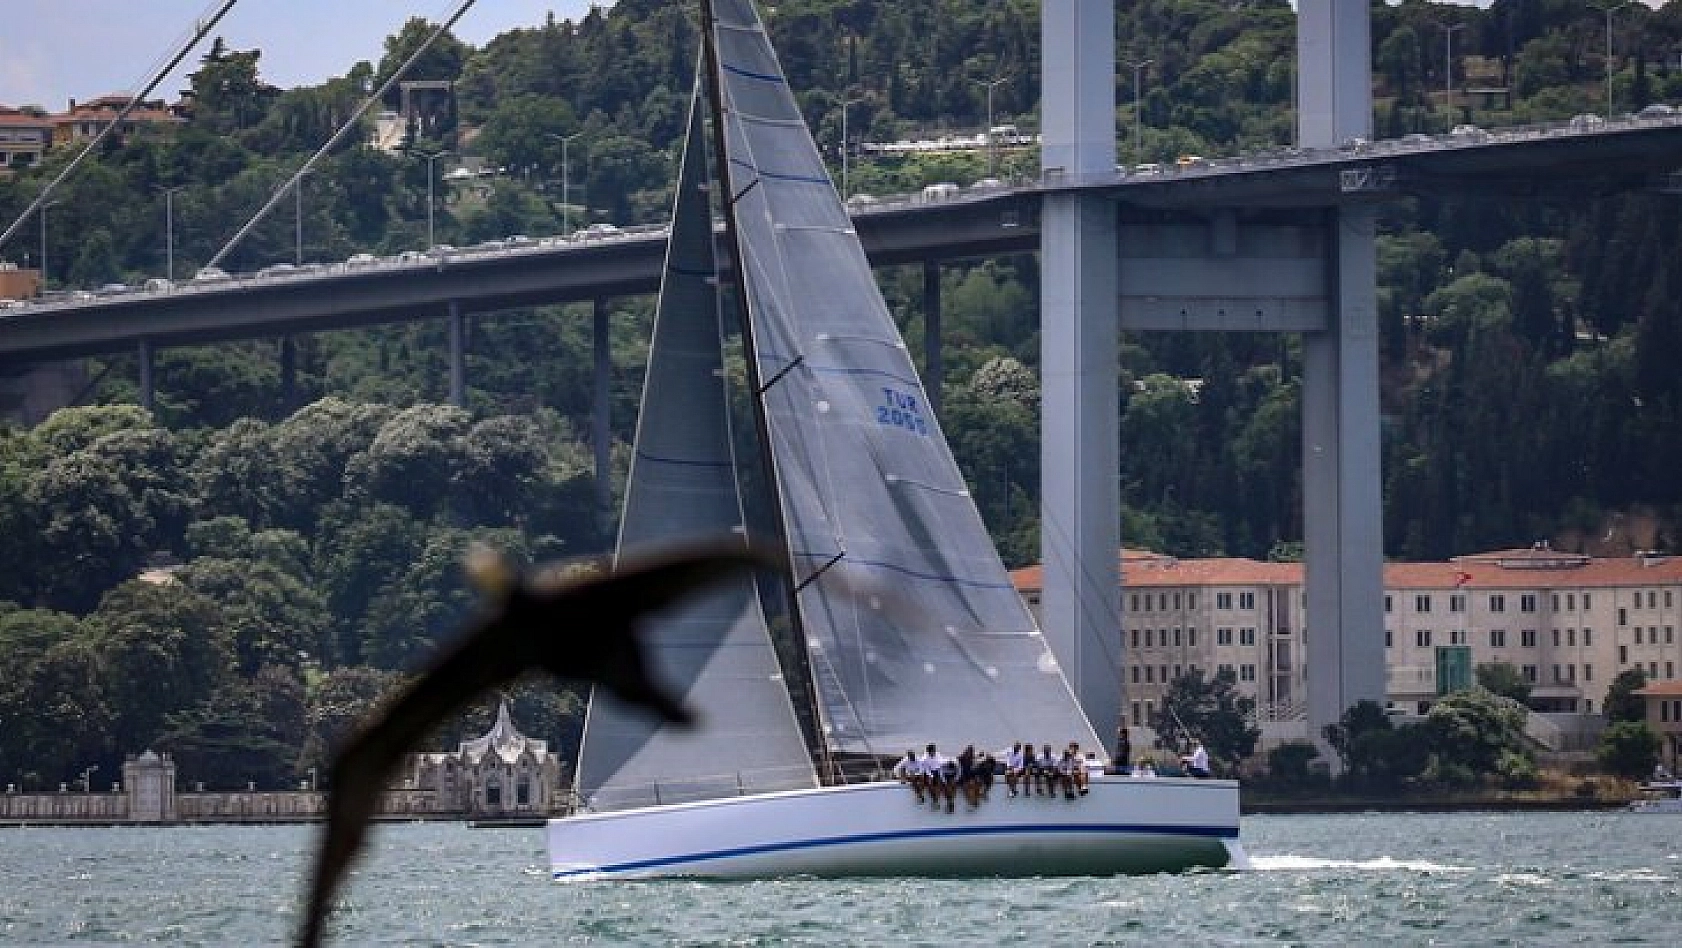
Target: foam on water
x,y
1294,863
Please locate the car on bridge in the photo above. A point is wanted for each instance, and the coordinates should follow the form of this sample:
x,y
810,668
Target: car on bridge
x,y
210,275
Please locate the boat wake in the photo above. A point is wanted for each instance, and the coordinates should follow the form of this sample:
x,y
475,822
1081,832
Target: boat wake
x,y
1292,863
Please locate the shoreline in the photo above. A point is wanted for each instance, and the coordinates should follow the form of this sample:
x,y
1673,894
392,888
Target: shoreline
x,y
1331,806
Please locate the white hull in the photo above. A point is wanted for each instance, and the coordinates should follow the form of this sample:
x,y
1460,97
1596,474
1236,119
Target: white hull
x,y
1124,825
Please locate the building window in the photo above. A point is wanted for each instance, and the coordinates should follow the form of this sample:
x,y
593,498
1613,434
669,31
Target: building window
x,y
1553,602
1138,720
1191,600
1652,599
1422,604
1176,636
1133,602
1527,638
1497,638
1149,672
1387,605
1667,599
1247,673
1670,669
1223,600
1246,600
1588,673
1176,671
1457,603
1422,638
1530,673
1162,602
1570,673
1246,636
1556,638
1558,679
1191,637
1571,638
1223,636
1225,669
1149,634
1497,603
1135,638
1135,674
1623,655
1527,603
1652,669
1586,606
1588,636
1623,616
1638,635
1457,637
1669,634
1387,638
1165,674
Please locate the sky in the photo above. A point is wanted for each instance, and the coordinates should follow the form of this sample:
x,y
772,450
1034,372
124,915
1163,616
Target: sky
x,y
52,51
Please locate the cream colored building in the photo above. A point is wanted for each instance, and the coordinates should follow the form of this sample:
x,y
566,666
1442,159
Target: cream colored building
x,y
502,774
1664,716
1568,622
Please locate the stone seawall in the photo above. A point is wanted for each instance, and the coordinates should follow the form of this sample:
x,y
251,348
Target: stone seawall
x,y
115,807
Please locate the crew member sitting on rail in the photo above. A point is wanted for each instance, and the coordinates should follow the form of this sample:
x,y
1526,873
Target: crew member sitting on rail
x,y
1049,771
1013,767
910,772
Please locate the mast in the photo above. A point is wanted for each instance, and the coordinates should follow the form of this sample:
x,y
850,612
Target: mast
x,y
714,89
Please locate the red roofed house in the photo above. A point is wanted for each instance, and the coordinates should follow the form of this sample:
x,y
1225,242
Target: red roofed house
x,y
1568,622
25,135
84,121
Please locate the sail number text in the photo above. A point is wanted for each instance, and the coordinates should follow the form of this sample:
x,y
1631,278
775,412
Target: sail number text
x,y
901,410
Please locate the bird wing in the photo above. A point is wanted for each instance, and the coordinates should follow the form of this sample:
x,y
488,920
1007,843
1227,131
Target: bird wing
x,y
596,618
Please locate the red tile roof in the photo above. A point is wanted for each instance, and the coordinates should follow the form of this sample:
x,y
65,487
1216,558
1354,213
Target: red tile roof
x,y
1500,570
1661,689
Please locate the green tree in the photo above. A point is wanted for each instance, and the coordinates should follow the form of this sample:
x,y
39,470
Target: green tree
x,y
1471,730
1629,749
1211,710
1503,678
247,732
1622,703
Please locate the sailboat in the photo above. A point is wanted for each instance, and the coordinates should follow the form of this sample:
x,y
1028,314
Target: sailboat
x,y
897,625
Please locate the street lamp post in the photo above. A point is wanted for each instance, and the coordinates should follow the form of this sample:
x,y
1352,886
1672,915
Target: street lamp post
x,y
844,149
169,230
1138,73
312,779
431,158
992,146
87,776
1448,69
298,219
1610,9
44,209
566,180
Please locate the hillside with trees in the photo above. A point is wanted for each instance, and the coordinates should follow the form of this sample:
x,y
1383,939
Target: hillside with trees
x,y
237,574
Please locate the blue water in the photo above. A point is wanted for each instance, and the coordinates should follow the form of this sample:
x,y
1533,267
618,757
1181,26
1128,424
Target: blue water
x,y
1393,879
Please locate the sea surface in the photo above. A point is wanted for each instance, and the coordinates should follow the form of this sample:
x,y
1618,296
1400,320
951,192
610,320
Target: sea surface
x,y
1580,879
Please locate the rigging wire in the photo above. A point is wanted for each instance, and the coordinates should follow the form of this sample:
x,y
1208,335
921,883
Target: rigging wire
x,y
344,129
202,27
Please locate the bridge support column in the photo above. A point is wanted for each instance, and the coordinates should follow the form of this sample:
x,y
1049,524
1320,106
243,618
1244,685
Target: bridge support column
x,y
458,355
934,369
1080,606
144,381
288,372
1342,509
601,428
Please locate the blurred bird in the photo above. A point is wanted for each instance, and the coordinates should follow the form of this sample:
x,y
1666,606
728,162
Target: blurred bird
x,y
573,622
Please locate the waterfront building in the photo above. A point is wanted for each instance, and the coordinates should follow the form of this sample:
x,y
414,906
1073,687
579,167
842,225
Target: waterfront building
x,y
1664,716
503,773
1567,622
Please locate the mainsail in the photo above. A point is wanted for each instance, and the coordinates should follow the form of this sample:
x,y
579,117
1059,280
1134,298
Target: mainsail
x,y
716,651
870,493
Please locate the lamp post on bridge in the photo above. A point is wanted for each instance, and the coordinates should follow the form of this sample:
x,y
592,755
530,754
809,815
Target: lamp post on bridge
x,y
49,205
169,229
1610,9
87,777
1448,69
1138,115
298,219
844,149
430,158
566,180
992,146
